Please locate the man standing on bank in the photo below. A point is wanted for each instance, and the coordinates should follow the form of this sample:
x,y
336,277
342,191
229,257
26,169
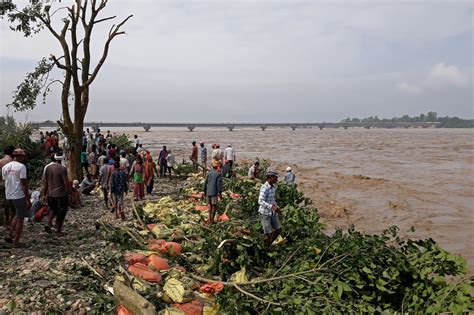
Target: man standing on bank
x,y
17,194
213,190
268,209
56,189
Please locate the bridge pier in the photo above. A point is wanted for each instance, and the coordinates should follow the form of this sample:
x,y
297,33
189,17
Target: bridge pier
x,y
191,128
263,128
321,127
231,128
147,127
293,127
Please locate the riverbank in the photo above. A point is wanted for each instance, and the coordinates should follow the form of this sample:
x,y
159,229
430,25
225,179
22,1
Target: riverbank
x,y
52,274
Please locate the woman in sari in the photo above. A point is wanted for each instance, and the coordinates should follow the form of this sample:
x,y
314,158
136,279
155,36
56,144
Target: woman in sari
x,y
136,174
150,171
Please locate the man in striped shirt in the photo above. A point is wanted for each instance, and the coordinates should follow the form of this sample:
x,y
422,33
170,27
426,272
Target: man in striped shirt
x,y
268,209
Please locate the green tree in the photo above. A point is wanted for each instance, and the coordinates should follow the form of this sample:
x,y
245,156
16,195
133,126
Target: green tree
x,y
74,38
431,116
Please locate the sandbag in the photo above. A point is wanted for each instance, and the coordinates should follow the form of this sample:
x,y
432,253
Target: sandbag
x,y
201,208
158,263
122,310
143,272
212,287
191,308
223,218
133,258
170,248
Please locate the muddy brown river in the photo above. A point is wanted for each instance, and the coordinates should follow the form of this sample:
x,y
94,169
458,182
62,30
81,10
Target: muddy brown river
x,y
370,178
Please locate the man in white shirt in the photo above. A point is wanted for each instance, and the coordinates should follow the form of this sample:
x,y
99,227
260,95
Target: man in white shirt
x,y
16,191
124,163
136,141
229,155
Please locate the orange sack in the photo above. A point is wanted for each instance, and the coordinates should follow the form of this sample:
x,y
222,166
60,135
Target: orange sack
x,y
202,208
133,258
223,218
212,287
235,196
191,308
122,310
143,272
158,263
171,248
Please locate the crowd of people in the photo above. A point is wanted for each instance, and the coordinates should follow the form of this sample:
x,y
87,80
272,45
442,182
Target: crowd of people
x,y
110,170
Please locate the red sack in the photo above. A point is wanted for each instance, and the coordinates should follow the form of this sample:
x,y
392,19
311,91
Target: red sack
x,y
122,310
212,287
133,258
170,248
158,263
202,208
192,308
141,271
197,195
41,213
223,218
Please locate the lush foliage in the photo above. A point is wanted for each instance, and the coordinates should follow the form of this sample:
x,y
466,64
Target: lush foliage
x,y
122,142
306,271
19,136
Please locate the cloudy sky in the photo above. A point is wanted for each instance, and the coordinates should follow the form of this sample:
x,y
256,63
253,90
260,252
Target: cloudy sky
x,y
256,61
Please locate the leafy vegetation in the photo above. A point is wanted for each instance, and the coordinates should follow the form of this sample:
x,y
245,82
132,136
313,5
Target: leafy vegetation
x,y
306,271
12,133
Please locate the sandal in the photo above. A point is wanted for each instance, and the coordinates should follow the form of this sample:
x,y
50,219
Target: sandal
x,y
47,229
8,239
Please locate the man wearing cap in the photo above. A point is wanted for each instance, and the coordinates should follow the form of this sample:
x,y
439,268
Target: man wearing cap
x,y
6,216
17,194
268,209
290,177
213,189
56,187
194,156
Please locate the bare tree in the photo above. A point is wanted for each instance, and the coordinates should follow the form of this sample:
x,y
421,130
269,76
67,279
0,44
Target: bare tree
x,y
75,62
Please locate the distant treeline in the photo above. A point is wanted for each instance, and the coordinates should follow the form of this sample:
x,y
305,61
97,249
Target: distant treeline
x,y
446,122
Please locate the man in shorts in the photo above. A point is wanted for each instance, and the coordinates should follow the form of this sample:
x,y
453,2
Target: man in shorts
x,y
213,189
268,209
6,212
56,189
17,194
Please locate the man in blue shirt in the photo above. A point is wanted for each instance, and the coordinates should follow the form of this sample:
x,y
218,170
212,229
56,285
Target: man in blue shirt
x,y
268,209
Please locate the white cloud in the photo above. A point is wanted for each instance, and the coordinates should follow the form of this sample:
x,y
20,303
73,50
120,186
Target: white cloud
x,y
409,88
443,75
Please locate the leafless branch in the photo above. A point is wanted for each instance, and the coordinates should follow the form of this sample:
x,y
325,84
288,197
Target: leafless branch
x,y
114,31
105,19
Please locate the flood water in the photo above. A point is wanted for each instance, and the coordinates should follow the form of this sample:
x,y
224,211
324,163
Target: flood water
x,y
370,178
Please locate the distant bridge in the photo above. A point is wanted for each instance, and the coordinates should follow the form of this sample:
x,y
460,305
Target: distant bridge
x,y
231,126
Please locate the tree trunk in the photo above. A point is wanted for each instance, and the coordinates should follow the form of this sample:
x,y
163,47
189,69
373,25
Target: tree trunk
x,y
74,155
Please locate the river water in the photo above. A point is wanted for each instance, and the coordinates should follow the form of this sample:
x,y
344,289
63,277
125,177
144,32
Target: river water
x,y
370,178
